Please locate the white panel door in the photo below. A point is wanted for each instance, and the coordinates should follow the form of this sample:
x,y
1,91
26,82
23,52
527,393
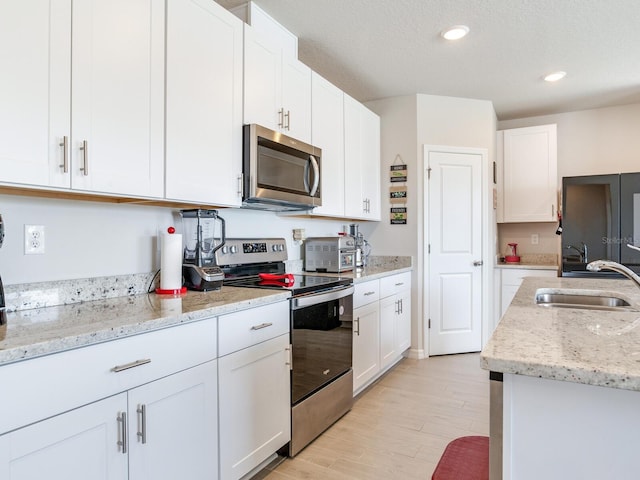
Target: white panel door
x,y
204,103
180,426
79,445
455,237
35,97
118,97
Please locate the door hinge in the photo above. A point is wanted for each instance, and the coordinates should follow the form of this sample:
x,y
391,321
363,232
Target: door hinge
x,y
429,324
429,173
429,248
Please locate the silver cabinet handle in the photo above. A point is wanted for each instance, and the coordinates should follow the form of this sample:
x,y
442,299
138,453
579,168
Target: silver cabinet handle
x,y
478,263
289,361
261,326
127,366
553,210
401,306
356,324
396,307
240,185
65,154
287,117
142,423
281,118
399,284
85,156
122,431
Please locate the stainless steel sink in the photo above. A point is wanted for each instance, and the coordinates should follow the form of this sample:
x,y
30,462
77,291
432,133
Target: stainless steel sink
x,y
590,300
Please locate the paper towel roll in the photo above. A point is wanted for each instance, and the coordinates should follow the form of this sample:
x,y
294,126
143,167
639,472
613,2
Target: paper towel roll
x,y
171,262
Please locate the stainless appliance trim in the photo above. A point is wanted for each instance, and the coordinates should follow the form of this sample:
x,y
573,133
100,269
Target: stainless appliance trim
x,y
322,297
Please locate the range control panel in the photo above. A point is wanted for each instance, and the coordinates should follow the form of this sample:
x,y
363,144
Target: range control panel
x,y
239,251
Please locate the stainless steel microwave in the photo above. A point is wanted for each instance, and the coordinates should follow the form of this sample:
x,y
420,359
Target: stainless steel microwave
x,y
280,173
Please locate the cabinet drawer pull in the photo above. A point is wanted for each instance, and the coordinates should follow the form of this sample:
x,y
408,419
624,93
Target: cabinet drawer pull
x,y
127,366
366,294
399,284
142,425
261,326
122,432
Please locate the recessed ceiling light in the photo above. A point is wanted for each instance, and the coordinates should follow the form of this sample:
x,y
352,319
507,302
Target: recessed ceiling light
x,y
555,76
456,32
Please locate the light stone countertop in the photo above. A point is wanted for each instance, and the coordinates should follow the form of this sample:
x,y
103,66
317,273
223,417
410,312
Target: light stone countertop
x,y
41,331
379,267
593,347
527,266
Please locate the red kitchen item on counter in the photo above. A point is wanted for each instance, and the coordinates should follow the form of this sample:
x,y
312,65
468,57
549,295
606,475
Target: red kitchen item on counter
x,y
514,257
286,278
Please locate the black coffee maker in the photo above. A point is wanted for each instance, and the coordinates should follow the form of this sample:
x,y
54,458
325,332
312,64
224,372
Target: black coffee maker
x,y
3,314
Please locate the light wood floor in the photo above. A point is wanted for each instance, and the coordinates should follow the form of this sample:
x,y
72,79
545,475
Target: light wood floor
x,y
400,426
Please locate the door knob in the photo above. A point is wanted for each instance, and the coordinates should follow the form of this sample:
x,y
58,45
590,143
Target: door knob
x,y
478,263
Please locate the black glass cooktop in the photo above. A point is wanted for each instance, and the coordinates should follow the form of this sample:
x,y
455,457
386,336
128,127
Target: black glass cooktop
x,y
301,284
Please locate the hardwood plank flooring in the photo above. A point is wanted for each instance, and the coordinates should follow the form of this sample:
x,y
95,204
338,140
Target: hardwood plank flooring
x,y
399,427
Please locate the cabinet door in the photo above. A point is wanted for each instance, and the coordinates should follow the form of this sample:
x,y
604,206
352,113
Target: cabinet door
x,y
362,161
389,310
403,322
296,99
35,54
255,405
366,344
118,97
173,426
262,80
530,182
327,133
204,103
79,445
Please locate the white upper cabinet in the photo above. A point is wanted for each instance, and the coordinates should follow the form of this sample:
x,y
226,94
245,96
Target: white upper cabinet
x,y
97,123
362,161
204,103
528,188
327,133
35,54
117,129
277,87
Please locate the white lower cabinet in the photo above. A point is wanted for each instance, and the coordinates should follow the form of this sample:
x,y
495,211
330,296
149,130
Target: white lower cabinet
x,y
254,388
382,326
163,430
77,445
510,280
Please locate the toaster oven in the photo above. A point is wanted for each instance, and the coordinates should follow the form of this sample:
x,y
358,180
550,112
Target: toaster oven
x,y
330,254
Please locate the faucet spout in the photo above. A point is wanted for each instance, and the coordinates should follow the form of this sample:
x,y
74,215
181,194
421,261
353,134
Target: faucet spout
x,y
583,252
598,265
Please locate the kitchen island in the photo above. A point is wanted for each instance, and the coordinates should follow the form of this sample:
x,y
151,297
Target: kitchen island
x,y
571,383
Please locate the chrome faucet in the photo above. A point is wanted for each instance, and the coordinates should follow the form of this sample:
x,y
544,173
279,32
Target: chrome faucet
x,y
583,252
598,265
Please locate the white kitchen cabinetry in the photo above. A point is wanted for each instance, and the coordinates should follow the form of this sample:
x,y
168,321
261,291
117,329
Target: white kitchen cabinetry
x,y
95,124
395,317
133,410
362,161
366,333
254,387
511,279
527,189
277,87
327,133
204,103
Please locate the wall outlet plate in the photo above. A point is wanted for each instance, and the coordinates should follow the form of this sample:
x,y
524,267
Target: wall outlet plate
x,y
34,239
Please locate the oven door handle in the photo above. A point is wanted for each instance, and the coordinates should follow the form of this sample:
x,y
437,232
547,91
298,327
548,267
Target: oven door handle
x,y
322,297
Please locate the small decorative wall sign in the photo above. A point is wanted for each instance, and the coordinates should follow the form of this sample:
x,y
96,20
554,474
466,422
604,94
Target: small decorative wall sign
x,y
398,216
398,194
398,173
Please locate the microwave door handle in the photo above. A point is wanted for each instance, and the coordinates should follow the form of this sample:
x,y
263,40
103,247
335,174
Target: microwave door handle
x,y
316,175
306,176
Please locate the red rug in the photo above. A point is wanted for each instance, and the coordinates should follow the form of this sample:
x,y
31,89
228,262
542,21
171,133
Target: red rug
x,y
465,458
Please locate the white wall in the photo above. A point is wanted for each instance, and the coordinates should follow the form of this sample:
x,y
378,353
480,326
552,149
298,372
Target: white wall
x,y
92,239
408,123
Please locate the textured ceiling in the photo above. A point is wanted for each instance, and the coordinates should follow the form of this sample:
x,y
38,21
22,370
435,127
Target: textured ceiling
x,y
375,49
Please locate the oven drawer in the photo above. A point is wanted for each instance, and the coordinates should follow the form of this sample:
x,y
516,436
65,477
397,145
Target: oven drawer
x,y
246,328
366,292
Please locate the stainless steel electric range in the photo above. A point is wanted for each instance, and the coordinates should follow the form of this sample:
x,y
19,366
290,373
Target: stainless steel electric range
x,y
321,317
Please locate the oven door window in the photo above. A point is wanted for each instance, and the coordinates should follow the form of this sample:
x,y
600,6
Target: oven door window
x,y
322,346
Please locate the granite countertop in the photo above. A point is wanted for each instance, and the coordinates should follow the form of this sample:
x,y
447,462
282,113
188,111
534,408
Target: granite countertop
x,y
379,267
528,266
594,347
51,329
532,261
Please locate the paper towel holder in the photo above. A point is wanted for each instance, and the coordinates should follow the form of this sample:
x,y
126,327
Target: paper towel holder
x,y
172,291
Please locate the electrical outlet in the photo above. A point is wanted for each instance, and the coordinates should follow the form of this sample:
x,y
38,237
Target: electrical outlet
x,y
33,239
298,234
535,239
